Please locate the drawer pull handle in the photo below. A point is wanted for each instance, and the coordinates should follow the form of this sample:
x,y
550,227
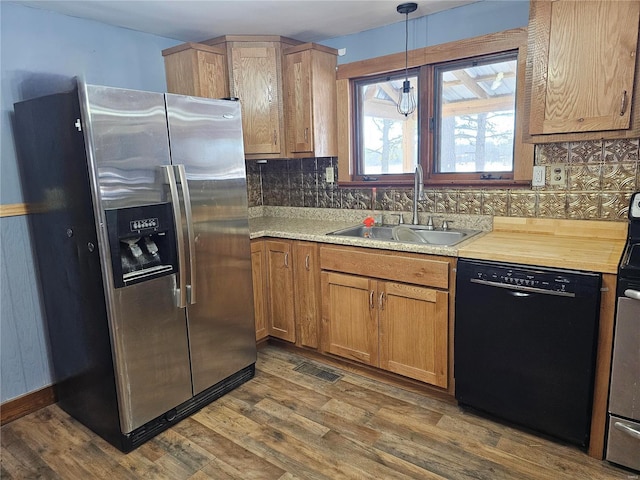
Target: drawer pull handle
x,y
627,429
623,104
286,260
381,301
371,306
306,262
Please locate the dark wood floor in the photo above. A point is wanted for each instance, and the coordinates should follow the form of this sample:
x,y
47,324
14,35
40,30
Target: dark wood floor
x,y
285,424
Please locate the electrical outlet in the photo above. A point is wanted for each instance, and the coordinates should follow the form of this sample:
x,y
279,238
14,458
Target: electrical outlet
x,y
558,175
539,172
329,175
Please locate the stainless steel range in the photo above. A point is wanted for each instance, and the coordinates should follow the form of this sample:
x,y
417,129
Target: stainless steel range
x,y
623,440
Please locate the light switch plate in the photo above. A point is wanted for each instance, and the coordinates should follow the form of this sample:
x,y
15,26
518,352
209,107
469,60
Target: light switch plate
x,y
538,176
558,174
329,175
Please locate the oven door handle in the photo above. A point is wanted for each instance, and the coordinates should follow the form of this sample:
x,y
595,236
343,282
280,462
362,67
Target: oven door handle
x,y
632,432
635,294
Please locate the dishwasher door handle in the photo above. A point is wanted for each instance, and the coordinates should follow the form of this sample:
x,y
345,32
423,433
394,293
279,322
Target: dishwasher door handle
x,y
521,288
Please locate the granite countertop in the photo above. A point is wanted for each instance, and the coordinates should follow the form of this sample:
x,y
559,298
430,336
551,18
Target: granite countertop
x,y
576,244
313,225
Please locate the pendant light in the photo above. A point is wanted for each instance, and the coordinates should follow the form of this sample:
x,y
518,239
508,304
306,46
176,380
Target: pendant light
x,y
407,99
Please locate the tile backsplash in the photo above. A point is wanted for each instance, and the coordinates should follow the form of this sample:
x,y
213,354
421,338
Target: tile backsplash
x,y
601,175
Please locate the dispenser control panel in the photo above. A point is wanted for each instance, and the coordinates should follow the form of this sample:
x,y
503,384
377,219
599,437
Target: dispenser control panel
x,y
140,225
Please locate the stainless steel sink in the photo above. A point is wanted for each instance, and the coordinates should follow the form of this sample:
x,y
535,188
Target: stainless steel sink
x,y
417,234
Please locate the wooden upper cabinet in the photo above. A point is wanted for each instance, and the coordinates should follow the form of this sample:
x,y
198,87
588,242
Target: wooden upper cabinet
x,y
310,100
197,70
254,67
582,70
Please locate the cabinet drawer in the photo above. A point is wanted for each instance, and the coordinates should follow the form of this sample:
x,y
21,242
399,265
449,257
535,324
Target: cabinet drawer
x,y
408,268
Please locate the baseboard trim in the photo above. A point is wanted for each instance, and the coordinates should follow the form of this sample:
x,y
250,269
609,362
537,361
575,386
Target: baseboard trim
x,y
26,404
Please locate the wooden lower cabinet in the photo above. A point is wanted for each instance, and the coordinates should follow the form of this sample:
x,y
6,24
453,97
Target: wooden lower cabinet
x,y
349,317
395,318
394,326
306,274
280,298
258,270
413,326
286,285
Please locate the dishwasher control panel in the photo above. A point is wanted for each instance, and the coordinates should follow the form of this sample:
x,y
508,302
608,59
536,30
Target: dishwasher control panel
x,y
555,283
524,277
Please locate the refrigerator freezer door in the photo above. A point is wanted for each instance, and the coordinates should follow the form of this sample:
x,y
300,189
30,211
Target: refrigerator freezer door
x,y
154,355
129,140
206,137
126,131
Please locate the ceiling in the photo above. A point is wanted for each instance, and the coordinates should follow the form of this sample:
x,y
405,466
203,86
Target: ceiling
x,y
196,20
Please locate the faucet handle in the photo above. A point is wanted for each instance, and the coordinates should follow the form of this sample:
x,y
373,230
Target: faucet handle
x,y
400,218
445,224
430,223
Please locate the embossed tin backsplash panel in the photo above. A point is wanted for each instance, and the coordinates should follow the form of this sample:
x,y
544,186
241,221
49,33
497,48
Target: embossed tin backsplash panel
x,y
601,175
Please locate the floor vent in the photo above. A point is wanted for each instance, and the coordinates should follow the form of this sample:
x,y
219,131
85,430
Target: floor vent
x,y
321,373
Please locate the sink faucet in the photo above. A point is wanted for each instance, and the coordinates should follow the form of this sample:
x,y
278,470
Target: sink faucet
x,y
418,192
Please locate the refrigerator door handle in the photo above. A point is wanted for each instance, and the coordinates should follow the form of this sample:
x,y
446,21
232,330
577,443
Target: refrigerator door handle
x,y
181,292
186,196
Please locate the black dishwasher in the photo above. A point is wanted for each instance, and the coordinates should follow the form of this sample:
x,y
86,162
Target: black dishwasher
x,y
525,345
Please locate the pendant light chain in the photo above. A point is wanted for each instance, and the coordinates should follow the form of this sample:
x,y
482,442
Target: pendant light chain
x,y
406,102
406,46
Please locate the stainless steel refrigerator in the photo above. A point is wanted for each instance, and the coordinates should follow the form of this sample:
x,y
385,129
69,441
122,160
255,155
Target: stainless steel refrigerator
x,y
141,234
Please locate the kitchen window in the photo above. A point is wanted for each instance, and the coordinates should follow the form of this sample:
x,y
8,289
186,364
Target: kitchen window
x,y
474,118
387,141
466,130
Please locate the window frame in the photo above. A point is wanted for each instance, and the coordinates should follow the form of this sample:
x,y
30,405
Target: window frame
x,y
424,59
385,178
430,155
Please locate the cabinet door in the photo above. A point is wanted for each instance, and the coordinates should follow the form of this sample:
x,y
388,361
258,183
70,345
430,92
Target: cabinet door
x,y
413,332
199,71
349,317
257,81
280,290
258,270
584,59
299,101
307,293
310,102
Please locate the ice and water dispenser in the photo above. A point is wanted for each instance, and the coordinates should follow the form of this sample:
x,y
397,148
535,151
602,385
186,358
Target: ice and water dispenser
x,y
142,243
